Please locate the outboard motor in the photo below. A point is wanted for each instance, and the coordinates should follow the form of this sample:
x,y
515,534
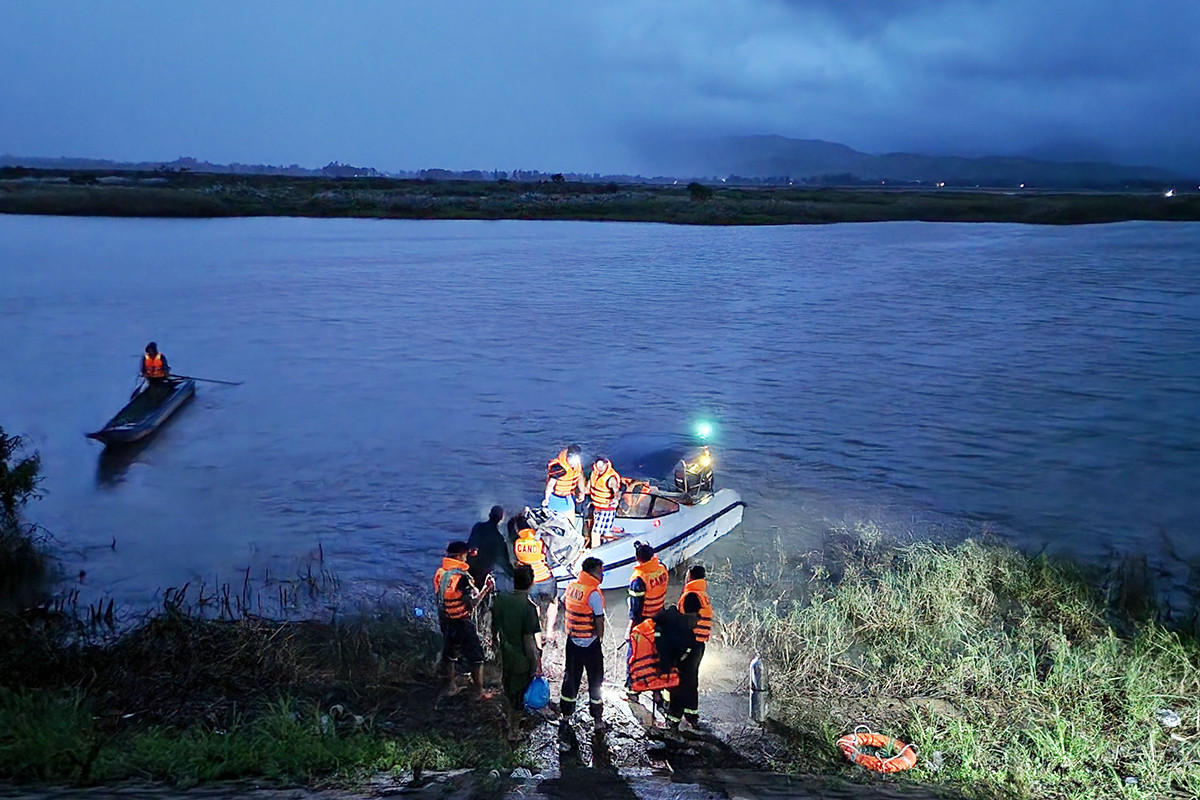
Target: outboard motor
x,y
694,472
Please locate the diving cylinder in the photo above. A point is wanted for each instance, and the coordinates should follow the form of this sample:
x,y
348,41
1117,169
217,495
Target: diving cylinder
x,y
759,689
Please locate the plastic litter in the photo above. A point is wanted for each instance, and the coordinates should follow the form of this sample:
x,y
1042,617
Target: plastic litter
x,y
1167,718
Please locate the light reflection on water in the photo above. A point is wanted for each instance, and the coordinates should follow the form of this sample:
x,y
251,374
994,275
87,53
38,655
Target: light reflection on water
x,y
401,377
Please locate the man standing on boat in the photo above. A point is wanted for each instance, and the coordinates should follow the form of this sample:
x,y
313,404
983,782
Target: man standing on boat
x,y
605,490
154,365
564,482
585,638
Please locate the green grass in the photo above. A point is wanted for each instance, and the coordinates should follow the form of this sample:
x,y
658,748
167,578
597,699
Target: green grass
x,y
1004,665
55,737
184,699
201,195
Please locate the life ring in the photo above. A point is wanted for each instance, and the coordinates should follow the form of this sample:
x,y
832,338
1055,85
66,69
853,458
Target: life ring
x,y
905,758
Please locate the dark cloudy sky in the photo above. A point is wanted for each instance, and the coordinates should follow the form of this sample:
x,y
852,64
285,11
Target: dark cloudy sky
x,y
582,85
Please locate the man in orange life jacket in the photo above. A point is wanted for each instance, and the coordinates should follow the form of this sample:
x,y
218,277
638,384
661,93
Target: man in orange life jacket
x,y
647,589
648,586
604,488
585,636
531,549
564,482
154,364
658,648
695,605
456,597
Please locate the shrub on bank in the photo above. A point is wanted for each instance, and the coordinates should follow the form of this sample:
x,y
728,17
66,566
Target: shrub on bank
x,y
1001,669
21,558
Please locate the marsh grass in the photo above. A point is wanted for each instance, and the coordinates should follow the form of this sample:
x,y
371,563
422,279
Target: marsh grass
x,y
1009,667
201,195
55,737
183,698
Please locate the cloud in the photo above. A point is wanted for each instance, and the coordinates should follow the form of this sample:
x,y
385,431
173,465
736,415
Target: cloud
x,y
572,86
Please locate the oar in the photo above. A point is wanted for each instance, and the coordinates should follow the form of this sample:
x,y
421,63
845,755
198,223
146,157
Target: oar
x,y
137,388
207,380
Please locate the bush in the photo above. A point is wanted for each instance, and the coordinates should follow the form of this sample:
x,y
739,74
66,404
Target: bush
x,y
699,191
20,556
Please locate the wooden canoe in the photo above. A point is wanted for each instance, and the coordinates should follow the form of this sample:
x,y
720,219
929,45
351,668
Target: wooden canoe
x,y
148,409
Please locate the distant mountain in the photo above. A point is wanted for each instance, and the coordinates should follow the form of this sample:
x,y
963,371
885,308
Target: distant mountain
x,y
185,164
777,159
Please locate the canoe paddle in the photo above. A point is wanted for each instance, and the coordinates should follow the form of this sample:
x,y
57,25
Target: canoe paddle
x,y
206,380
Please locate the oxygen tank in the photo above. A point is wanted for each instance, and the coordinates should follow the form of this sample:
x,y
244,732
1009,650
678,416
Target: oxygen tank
x,y
759,689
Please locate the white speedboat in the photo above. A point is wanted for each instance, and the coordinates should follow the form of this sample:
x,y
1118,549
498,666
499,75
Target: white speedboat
x,y
678,523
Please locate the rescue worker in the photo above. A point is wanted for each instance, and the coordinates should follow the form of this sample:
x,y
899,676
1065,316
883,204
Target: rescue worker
x,y
531,549
585,636
154,365
488,548
646,670
516,630
456,597
604,488
647,591
648,586
564,482
695,605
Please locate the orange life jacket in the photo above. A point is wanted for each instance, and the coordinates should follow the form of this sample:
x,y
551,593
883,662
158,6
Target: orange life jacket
x,y
603,497
153,367
704,620
654,576
581,620
531,550
564,485
454,603
645,673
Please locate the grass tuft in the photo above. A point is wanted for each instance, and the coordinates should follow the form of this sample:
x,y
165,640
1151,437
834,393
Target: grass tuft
x,y
1006,666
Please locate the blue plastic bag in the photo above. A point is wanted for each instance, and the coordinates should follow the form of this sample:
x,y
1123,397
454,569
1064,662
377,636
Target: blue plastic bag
x,y
537,695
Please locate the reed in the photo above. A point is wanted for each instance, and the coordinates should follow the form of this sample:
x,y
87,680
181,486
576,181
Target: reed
x,y
1007,672
185,698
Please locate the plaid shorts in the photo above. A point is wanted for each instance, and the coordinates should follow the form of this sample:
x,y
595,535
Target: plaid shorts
x,y
603,522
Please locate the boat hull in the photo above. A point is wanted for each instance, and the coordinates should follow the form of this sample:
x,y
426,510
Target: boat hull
x,y
675,538
145,413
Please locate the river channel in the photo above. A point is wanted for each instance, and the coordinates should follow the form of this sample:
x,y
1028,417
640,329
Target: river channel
x,y
934,380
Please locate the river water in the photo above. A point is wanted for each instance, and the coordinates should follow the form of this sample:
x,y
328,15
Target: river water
x,y
1042,383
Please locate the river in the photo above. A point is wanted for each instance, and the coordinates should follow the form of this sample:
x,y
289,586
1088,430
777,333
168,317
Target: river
x,y
1040,383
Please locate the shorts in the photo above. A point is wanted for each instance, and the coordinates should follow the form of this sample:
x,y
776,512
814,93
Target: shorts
x,y
460,642
563,505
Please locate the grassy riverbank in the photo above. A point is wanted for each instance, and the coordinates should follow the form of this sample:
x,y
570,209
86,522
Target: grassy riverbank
x,y
134,194
1009,673
185,700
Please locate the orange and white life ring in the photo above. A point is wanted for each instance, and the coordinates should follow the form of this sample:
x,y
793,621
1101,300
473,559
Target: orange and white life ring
x,y
905,758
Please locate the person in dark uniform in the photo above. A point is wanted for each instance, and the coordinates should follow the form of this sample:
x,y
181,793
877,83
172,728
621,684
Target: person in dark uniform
x,y
488,548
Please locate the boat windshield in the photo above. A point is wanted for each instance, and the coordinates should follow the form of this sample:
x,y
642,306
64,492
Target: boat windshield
x,y
640,505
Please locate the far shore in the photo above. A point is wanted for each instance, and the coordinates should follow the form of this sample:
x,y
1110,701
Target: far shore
x,y
201,195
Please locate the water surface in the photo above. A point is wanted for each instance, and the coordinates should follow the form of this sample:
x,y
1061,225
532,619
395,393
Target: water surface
x,y
402,376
